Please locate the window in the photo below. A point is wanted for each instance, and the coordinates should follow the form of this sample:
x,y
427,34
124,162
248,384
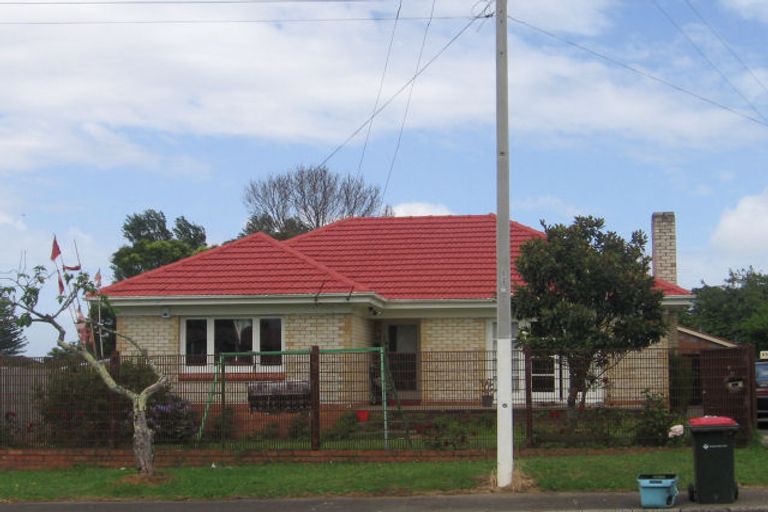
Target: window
x,y
203,336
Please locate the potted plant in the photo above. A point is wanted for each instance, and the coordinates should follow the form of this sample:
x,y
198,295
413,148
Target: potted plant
x,y
488,387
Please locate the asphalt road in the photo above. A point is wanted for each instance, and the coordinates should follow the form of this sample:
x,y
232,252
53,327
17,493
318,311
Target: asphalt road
x,y
749,500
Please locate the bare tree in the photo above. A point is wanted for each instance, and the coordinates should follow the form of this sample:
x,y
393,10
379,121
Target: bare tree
x,y
307,198
23,294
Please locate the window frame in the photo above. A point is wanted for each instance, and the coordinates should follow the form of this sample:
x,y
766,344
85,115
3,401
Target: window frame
x,y
209,366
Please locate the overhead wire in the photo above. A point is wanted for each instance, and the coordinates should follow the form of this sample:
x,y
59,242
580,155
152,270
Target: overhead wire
x,y
637,71
402,88
225,21
707,59
726,45
174,2
381,85
407,105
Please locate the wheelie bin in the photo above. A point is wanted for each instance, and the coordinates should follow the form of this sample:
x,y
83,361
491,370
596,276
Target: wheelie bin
x,y
714,476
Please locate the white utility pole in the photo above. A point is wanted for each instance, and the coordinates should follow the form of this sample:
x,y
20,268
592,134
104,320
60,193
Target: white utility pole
x,y
504,436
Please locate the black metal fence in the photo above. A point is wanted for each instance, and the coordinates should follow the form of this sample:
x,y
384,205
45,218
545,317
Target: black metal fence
x,y
374,400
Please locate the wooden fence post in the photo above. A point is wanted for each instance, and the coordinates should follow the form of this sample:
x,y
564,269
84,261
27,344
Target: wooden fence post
x,y
314,390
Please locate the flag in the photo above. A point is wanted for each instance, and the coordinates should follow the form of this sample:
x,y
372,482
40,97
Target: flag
x,y
61,284
83,331
73,268
55,250
97,279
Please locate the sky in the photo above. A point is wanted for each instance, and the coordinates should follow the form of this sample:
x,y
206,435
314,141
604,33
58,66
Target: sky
x,y
100,118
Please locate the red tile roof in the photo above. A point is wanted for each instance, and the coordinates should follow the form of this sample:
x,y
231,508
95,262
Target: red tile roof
x,y
448,257
254,265
441,257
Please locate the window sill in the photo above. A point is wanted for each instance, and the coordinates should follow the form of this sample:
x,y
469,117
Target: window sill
x,y
232,376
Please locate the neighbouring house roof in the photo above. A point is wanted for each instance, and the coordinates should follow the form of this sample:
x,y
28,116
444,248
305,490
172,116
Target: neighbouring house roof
x,y
396,258
698,336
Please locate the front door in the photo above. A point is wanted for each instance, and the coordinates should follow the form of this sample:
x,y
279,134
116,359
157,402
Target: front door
x,y
403,346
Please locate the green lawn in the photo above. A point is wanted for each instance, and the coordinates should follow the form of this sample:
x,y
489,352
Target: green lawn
x,y
256,481
617,472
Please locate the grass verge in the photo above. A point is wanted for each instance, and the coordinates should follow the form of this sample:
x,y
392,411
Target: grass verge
x,y
257,481
618,472
612,472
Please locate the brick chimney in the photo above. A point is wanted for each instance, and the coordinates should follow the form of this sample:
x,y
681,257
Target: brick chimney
x,y
664,246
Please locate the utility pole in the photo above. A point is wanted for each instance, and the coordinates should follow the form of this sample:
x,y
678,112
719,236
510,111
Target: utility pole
x,y
504,425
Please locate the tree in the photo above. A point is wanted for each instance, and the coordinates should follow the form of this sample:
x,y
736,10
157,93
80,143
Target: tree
x,y
306,198
12,341
153,244
736,310
590,296
23,295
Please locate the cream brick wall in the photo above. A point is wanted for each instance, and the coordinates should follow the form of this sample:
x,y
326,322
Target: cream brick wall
x,y
160,336
459,334
452,377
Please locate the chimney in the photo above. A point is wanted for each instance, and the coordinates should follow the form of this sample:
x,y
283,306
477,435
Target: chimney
x,y
664,246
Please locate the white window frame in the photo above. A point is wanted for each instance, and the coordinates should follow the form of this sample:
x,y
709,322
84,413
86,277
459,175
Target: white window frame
x,y
211,344
561,377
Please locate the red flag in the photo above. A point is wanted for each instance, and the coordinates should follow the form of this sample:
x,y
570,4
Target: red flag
x,y
83,331
73,268
55,251
97,279
61,284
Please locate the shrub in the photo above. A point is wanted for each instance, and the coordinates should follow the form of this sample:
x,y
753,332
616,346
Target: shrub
x,y
344,427
298,428
654,421
79,410
172,419
446,432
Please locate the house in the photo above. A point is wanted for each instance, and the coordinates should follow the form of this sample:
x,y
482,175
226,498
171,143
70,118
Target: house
x,y
414,285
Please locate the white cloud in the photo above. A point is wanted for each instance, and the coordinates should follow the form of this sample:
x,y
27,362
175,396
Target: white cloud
x,y
79,94
748,9
744,229
417,209
549,205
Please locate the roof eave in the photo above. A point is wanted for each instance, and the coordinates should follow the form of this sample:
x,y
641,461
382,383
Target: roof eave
x,y
201,300
677,301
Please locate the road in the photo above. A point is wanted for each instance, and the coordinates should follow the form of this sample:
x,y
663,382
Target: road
x,y
750,500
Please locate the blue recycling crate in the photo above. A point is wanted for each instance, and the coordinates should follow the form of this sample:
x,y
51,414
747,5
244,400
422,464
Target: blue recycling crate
x,y
657,491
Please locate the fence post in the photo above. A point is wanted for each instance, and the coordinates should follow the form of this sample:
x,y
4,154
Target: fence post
x,y
222,414
114,425
528,398
314,390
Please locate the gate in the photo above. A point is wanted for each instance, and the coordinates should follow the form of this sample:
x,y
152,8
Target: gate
x,y
728,385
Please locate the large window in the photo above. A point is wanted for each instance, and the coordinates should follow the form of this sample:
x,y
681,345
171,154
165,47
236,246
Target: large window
x,y
201,337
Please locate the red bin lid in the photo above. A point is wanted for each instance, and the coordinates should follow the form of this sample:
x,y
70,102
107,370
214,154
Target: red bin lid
x,y
712,421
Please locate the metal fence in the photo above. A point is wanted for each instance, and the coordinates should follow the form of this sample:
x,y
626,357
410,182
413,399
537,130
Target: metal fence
x,y
369,399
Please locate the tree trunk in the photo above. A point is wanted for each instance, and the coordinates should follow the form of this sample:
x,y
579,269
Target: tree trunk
x,y
143,437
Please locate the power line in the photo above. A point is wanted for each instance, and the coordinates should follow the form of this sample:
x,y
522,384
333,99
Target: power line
x,y
203,22
167,2
401,89
381,85
726,45
709,61
407,104
638,71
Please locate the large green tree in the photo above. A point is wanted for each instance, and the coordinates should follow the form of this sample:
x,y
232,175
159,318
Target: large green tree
x,y
12,340
153,244
590,298
736,310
